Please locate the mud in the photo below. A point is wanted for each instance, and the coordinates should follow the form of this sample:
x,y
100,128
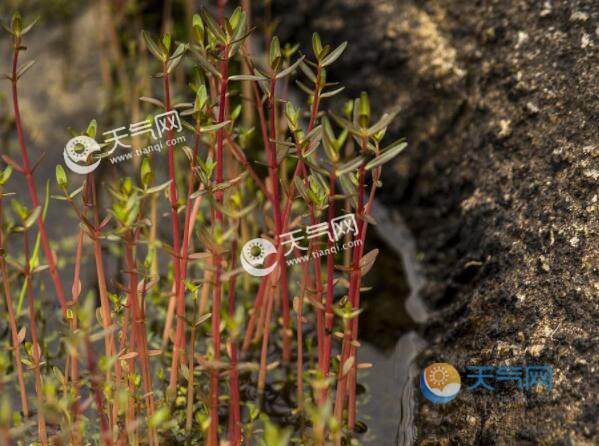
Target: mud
x,y
499,186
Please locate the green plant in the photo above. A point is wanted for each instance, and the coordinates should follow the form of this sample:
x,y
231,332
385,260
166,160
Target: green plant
x,y
302,165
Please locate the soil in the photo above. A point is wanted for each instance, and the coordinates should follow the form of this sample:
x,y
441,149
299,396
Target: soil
x,y
499,185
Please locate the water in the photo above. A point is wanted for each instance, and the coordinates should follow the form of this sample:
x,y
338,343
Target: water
x,y
388,406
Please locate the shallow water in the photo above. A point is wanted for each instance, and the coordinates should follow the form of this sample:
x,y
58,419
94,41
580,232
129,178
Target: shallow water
x,y
388,405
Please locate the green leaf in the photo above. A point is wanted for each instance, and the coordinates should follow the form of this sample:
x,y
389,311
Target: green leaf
x,y
207,66
5,175
335,54
289,69
329,94
212,25
346,124
31,25
166,41
316,44
383,122
247,77
176,58
308,72
158,188
214,127
386,155
32,218
153,101
153,47
364,109
61,177
17,24
276,436
350,166
146,172
159,417
92,128
275,53
23,68
7,29
304,88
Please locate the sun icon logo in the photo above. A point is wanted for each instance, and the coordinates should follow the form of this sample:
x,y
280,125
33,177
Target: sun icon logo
x,y
254,253
440,382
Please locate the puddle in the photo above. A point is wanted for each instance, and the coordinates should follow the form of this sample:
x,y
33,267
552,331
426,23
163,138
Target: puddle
x,y
388,334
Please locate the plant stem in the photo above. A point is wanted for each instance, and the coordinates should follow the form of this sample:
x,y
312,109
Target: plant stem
x,y
101,276
330,281
36,353
179,346
105,435
273,169
139,332
234,409
27,172
270,297
12,322
217,295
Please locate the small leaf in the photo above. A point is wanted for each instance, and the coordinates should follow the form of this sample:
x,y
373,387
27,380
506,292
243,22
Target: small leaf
x,y
5,175
308,72
152,101
332,93
61,177
214,127
316,44
212,25
23,68
247,77
158,188
129,355
176,58
347,366
205,64
386,155
153,47
367,261
383,122
21,335
203,318
334,55
350,166
92,128
31,25
32,217
289,69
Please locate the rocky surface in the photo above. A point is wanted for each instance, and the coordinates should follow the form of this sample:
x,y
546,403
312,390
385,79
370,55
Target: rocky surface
x,y
499,185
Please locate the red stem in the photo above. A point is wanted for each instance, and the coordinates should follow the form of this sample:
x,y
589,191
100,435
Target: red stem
x,y
12,322
60,294
273,169
179,346
234,409
216,304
